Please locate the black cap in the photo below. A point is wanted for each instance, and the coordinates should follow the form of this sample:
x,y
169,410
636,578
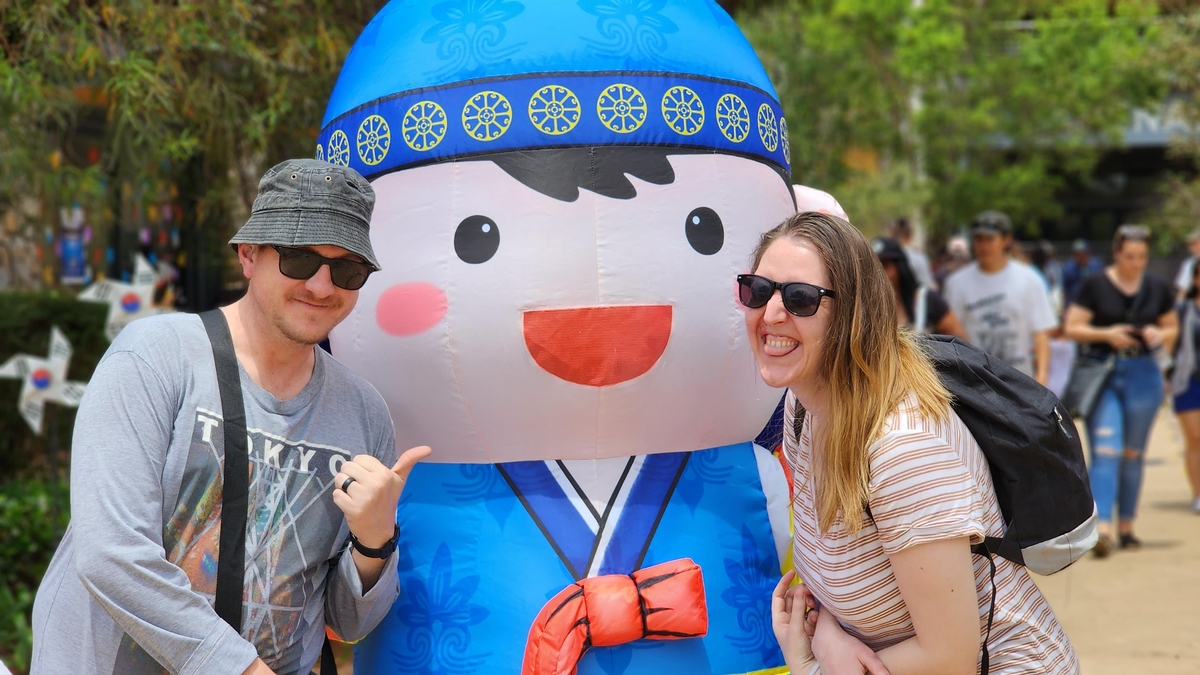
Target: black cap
x,y
887,248
992,222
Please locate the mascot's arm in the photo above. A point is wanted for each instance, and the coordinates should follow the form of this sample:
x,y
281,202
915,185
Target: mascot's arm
x,y
777,488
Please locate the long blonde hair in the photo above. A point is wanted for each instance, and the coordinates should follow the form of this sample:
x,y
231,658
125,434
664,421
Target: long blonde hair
x,y
869,364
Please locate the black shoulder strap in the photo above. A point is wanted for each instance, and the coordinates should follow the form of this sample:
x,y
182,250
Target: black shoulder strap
x,y
231,559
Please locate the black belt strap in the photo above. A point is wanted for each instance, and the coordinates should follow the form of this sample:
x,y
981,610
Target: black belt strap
x,y
231,558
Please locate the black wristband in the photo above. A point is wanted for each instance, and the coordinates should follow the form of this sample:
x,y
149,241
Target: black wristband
x,y
382,552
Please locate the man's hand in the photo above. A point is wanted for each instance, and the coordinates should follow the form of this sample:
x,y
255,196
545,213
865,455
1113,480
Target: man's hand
x,y
369,501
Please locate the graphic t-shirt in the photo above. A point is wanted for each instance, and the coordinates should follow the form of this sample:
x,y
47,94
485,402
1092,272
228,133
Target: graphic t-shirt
x,y
1002,311
130,589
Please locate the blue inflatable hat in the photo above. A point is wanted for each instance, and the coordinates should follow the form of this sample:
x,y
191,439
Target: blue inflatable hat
x,y
438,80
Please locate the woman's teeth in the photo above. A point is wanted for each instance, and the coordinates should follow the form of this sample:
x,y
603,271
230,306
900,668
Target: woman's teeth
x,y
781,343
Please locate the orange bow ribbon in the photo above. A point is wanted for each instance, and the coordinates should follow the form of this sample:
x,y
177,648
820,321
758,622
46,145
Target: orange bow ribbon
x,y
663,602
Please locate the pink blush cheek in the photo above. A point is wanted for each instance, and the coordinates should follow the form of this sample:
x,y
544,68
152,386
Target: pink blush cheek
x,y
409,309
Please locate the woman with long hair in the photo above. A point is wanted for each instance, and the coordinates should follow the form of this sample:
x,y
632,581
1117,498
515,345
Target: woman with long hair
x,y
891,490
1125,315
918,306
1185,380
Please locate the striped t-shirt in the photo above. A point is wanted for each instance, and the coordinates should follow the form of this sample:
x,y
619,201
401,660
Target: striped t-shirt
x,y
929,481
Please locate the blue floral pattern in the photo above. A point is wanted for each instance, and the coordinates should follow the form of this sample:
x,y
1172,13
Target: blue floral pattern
x,y
482,482
750,594
704,469
468,33
630,28
439,614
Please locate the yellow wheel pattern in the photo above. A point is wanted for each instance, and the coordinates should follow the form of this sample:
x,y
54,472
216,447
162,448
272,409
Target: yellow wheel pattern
x,y
733,118
683,110
339,149
423,126
487,116
374,139
768,132
554,110
621,108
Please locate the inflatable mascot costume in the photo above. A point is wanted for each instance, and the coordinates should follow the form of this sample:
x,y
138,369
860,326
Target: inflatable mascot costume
x,y
565,192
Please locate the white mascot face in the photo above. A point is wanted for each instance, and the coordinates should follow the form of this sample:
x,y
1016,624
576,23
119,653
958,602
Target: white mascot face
x,y
565,193
509,325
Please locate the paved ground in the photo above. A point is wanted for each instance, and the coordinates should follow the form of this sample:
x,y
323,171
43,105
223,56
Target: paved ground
x,y
1139,612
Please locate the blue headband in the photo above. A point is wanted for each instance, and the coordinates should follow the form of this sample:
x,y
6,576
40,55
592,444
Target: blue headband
x,y
556,110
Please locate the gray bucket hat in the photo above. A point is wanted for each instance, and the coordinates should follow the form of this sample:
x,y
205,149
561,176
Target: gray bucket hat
x,y
307,202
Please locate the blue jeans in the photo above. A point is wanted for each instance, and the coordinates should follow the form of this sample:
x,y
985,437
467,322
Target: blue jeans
x,y
1118,429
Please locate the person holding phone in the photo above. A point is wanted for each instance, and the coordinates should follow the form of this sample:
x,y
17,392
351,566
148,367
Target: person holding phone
x,y
1125,314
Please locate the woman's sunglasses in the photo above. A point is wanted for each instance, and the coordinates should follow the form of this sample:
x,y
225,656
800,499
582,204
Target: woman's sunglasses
x,y
798,297
300,264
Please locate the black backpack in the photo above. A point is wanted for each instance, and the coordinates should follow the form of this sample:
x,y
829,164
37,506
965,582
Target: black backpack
x,y
1033,450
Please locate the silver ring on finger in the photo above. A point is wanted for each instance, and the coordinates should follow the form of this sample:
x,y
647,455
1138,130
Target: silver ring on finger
x,y
346,484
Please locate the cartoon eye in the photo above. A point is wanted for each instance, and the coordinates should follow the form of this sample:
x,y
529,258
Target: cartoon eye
x,y
704,231
477,239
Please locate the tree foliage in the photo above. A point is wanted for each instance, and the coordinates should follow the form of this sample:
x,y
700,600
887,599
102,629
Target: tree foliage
x,y
1179,213
103,102
950,107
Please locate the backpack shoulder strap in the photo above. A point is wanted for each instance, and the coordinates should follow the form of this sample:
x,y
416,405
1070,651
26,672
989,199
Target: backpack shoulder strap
x,y
920,308
231,560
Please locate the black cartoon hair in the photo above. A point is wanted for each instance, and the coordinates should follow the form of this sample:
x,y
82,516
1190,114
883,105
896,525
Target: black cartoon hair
x,y
559,173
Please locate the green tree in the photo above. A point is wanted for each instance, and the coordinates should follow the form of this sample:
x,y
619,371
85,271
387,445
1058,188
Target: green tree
x,y
119,105
1179,213
950,107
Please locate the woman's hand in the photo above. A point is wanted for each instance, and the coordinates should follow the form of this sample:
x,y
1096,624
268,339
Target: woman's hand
x,y
1121,336
1152,335
789,617
841,653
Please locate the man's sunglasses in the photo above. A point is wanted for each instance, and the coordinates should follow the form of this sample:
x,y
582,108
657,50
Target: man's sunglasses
x,y
299,263
798,297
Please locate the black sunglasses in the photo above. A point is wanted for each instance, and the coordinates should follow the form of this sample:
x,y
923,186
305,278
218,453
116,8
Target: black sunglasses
x,y
798,297
299,263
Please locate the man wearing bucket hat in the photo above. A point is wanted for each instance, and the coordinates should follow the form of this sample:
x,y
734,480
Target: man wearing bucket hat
x,y
132,587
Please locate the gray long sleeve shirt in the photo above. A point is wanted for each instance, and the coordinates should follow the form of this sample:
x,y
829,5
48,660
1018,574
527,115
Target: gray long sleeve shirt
x,y
131,587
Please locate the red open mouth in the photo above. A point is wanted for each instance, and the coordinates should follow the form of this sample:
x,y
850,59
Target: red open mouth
x,y
598,346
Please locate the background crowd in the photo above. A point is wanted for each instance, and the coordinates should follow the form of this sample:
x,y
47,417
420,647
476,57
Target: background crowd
x,y
1059,322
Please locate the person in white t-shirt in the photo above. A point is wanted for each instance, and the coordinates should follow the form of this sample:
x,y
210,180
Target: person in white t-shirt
x,y
1002,303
